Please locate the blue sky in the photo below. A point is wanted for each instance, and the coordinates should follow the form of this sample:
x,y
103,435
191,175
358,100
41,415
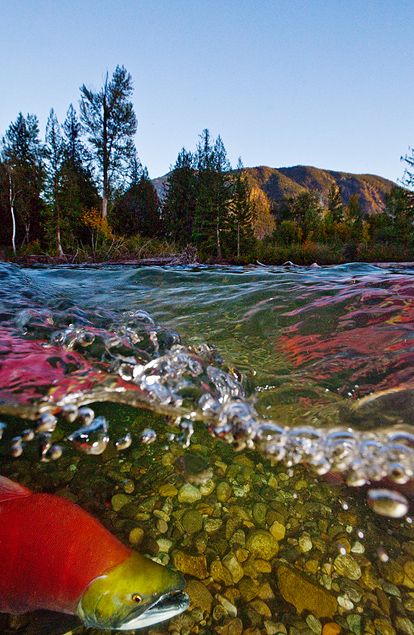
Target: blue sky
x,y
319,82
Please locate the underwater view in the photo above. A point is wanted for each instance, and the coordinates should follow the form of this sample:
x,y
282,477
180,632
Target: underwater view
x,y
249,430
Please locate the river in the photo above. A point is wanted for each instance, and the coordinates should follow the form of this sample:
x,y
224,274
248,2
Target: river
x,y
253,428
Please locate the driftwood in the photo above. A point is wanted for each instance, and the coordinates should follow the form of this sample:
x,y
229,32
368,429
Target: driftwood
x,y
187,257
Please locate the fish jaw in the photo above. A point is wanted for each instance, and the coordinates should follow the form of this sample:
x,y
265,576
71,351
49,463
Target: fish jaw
x,y
166,607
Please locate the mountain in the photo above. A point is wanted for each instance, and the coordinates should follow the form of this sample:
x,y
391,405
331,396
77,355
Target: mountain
x,y
279,183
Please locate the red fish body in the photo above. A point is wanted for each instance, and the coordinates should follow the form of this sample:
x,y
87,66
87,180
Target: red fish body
x,y
50,550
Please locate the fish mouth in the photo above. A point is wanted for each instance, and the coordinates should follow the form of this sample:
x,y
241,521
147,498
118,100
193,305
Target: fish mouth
x,y
163,608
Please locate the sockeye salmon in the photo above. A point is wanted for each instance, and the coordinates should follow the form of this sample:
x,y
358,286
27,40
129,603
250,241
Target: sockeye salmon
x,y
56,556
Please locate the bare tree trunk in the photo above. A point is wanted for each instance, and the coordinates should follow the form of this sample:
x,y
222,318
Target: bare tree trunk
x,y
218,242
104,206
27,233
58,241
11,199
105,155
57,212
58,236
238,240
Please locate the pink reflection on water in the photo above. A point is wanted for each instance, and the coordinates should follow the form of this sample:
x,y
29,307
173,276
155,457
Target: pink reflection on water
x,y
33,369
360,336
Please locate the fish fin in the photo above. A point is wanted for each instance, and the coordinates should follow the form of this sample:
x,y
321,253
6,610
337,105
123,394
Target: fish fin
x,y
52,623
9,489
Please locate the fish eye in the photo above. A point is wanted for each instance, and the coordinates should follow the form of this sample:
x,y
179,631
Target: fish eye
x,y
136,598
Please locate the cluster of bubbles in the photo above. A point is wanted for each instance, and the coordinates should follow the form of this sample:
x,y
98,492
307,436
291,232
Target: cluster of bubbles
x,y
191,384
101,336
91,435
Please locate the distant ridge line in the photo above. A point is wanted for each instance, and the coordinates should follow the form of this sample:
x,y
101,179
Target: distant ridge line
x,y
283,182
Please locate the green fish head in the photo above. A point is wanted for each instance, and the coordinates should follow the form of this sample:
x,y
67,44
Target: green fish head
x,y
134,594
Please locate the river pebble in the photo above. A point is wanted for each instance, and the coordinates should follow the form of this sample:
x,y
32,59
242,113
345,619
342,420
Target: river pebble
x,y
303,594
136,535
195,566
314,624
236,570
192,521
277,530
223,491
189,494
199,594
118,501
346,566
261,543
168,490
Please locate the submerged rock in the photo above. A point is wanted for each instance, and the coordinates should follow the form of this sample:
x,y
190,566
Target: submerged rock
x,y
261,543
304,594
119,500
232,627
192,521
331,628
168,490
347,567
200,596
195,566
277,530
189,494
223,491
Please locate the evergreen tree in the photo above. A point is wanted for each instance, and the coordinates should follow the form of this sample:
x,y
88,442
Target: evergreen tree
x,y
306,211
23,156
77,191
241,210
353,218
213,194
180,202
138,210
74,150
109,119
354,210
399,210
135,170
54,152
408,179
335,204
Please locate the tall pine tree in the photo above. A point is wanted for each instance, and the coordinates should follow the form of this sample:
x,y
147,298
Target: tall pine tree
x,y
180,202
110,122
54,152
213,195
241,211
77,191
138,210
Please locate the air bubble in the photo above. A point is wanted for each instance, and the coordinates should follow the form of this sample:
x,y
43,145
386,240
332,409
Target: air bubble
x,y
382,554
398,473
124,442
70,412
147,436
92,438
86,415
52,453
356,478
28,435
16,447
46,423
387,503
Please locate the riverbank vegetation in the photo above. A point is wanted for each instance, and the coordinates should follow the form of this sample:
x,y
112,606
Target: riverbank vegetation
x,y
82,194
